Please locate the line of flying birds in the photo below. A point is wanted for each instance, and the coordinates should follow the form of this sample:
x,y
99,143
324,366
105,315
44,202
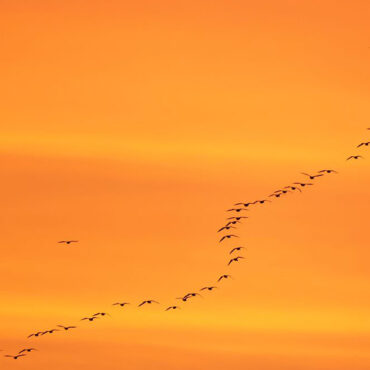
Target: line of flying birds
x,y
231,221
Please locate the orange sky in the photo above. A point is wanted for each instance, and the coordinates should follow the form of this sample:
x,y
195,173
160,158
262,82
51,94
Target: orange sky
x,y
133,126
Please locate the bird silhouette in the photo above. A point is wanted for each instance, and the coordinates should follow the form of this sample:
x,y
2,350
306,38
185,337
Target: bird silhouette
x,y
184,298
262,201
121,304
27,350
237,218
226,228
236,249
244,204
366,143
224,277
51,331
228,237
149,301
209,288
15,357
355,157
328,171
232,223
90,318
172,308
101,314
276,195
68,241
312,177
67,327
189,295
293,188
303,184
236,209
35,334
235,259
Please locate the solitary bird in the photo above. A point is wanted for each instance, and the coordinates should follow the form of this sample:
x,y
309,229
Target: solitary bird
x,y
328,171
236,249
121,304
67,327
228,237
312,177
236,259
14,357
226,228
172,308
68,241
149,301
224,277
35,334
366,143
355,157
208,288
27,350
90,318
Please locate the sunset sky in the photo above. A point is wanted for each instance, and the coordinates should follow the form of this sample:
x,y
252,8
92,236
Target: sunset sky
x,y
132,126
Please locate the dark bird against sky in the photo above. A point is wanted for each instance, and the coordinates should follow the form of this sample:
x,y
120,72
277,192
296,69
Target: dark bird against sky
x,y
149,301
228,237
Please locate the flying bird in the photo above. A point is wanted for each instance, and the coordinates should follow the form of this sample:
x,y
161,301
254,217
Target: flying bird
x,y
68,241
122,304
209,288
35,334
90,318
276,195
366,143
232,223
312,177
236,259
27,350
224,277
101,314
328,171
184,298
51,331
355,157
303,184
226,228
14,357
244,204
262,201
236,249
188,295
172,308
67,327
293,188
236,209
149,301
228,237
237,218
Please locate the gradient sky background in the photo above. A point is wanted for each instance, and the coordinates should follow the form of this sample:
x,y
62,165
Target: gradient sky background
x,y
133,126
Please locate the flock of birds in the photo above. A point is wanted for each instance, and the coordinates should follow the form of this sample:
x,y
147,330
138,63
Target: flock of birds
x,y
231,224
